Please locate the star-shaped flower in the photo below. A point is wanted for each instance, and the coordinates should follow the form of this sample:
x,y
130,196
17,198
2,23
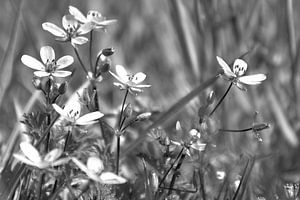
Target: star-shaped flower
x,y
50,66
93,17
32,157
236,74
130,82
71,113
72,30
94,170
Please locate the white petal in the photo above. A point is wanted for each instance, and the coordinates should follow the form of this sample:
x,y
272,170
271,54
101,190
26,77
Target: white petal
x,y
61,74
55,30
239,67
118,78
24,159
53,155
134,90
89,118
69,21
95,164
58,109
60,162
79,40
41,74
77,14
47,54
85,28
111,178
253,79
178,126
138,78
30,152
121,86
64,61
94,16
73,109
198,146
225,67
80,165
32,63
142,86
122,73
106,22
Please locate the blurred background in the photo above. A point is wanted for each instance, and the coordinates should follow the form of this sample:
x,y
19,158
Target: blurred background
x,y
175,43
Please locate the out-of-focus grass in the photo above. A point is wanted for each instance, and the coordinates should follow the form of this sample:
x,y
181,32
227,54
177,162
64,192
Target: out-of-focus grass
x,y
175,43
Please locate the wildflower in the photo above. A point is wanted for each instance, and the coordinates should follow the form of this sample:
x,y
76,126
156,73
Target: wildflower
x,y
94,17
72,30
94,170
50,66
236,75
72,112
129,82
33,158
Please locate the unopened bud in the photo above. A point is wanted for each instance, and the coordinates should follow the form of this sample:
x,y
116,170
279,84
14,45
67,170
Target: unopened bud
x,y
211,98
105,67
128,111
261,126
62,88
143,116
47,86
108,51
37,83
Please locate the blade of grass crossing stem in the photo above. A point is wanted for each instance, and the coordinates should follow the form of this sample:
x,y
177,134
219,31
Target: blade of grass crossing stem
x,y
244,180
171,112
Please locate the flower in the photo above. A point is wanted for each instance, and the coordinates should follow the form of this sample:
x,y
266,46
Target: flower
x,y
236,76
50,66
129,82
33,158
94,170
72,30
93,17
71,113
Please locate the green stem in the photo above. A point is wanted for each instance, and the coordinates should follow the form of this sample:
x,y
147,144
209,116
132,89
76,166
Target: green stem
x,y
176,172
241,130
122,109
118,154
80,61
90,50
220,101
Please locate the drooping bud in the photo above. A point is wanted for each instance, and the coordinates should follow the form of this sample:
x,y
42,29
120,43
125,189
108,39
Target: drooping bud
x,y
108,51
37,83
143,116
128,111
62,88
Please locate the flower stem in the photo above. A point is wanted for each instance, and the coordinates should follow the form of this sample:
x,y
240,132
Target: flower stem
x,y
176,172
90,50
118,136
80,61
220,101
241,130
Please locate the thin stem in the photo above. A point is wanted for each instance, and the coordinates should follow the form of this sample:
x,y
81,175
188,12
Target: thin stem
x,y
118,154
68,138
170,168
90,50
241,130
80,61
220,101
176,172
122,109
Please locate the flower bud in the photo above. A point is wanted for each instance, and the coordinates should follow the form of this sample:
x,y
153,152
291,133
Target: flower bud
x,y
47,86
261,126
105,67
210,98
143,116
62,88
37,83
128,111
108,51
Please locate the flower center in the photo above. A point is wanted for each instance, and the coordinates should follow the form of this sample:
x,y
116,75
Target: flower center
x,y
50,66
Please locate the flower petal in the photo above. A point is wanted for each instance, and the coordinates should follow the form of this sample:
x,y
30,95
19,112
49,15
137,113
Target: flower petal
x,y
69,21
24,159
41,74
84,168
95,164
47,54
142,86
111,178
239,67
61,111
253,79
55,30
64,61
89,118
138,78
61,74
225,67
79,40
32,63
85,28
73,109
122,73
53,155
30,152
77,14
106,22
94,16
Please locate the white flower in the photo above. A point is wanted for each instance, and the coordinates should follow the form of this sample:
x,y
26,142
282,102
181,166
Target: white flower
x,y
94,170
32,157
72,30
93,17
236,75
50,66
127,81
72,112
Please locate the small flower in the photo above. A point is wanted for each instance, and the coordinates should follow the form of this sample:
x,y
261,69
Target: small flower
x,y
93,17
94,170
50,66
72,30
130,82
236,76
72,112
33,158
